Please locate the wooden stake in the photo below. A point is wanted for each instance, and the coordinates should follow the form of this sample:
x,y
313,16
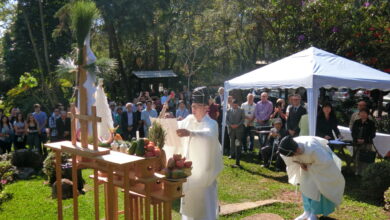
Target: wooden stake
x,y
59,184
72,115
126,193
83,99
75,190
96,193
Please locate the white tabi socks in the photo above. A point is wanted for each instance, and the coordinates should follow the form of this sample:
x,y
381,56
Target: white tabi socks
x,y
312,217
304,216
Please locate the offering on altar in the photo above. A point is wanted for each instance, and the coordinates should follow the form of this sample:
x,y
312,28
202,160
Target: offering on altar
x,y
177,168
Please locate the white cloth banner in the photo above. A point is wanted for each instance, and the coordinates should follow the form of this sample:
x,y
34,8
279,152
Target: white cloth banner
x,y
381,141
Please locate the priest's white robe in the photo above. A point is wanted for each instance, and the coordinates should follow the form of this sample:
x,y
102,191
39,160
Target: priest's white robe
x,y
324,172
204,150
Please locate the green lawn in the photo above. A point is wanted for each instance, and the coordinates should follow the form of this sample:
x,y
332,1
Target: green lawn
x,y
31,199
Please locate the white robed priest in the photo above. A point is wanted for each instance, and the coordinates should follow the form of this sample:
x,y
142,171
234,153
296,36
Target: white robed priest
x,y
312,164
199,134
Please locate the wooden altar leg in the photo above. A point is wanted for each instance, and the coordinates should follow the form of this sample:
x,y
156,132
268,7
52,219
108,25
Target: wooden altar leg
x,y
160,211
136,208
115,198
141,207
75,190
126,192
96,193
154,212
110,194
59,184
105,201
147,201
167,211
131,207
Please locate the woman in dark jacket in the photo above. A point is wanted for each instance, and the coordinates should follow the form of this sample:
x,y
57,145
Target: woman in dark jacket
x,y
327,123
363,133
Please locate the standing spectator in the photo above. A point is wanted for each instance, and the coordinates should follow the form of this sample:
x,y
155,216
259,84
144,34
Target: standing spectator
x,y
12,116
172,101
355,116
327,123
182,111
113,112
187,96
235,121
6,134
213,109
53,125
280,111
63,127
128,122
138,123
165,97
249,109
263,112
1,112
363,133
145,116
20,132
219,100
118,121
33,130
295,112
41,118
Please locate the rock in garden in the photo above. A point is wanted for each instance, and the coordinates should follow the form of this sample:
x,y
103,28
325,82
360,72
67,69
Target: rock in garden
x,y
264,216
67,191
27,158
24,173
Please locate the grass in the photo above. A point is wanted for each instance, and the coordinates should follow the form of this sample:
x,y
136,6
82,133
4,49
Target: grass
x,y
32,200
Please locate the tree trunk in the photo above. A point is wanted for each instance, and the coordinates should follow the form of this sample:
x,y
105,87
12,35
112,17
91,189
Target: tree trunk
x,y
117,54
45,50
44,86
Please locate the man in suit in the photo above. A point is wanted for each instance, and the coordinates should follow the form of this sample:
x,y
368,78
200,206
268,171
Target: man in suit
x,y
235,119
294,114
63,127
127,122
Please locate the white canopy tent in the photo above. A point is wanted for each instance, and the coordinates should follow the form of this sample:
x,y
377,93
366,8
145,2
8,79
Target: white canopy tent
x,y
312,69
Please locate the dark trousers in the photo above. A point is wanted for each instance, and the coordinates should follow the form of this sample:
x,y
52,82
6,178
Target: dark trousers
x,y
268,156
19,142
235,136
5,146
248,132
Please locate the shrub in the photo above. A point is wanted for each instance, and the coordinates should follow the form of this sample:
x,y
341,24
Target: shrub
x,y
7,172
27,158
49,165
387,199
376,179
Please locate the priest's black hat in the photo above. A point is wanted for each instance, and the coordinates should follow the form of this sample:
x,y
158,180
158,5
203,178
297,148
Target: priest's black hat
x,y
287,146
200,95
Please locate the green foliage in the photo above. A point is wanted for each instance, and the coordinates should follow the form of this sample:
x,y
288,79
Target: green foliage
x,y
376,179
387,199
7,172
26,82
157,134
82,15
383,124
49,165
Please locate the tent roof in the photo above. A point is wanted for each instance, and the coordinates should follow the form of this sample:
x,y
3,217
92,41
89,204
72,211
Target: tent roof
x,y
154,74
312,68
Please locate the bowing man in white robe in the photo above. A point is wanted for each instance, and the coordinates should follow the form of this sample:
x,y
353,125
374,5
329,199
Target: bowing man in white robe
x,y
312,164
199,135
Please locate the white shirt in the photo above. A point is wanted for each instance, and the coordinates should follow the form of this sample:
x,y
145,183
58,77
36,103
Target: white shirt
x,y
249,111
